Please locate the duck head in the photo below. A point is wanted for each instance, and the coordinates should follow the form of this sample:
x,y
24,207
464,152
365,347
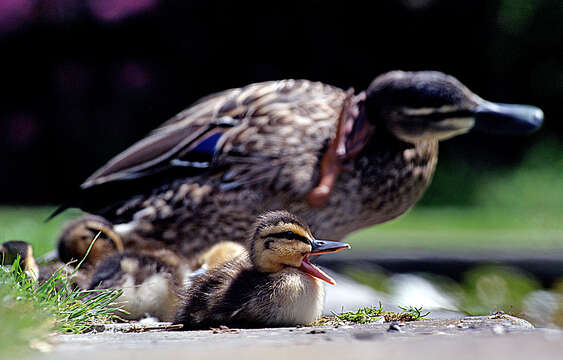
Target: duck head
x,y
281,240
79,234
9,252
430,105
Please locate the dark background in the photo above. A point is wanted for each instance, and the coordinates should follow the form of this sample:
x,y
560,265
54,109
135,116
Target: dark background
x,y
83,80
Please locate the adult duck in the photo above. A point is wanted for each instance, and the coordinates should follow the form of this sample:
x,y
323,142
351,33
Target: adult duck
x,y
339,160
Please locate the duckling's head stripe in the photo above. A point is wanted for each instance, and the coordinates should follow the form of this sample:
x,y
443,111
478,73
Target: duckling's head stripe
x,y
290,235
280,217
280,224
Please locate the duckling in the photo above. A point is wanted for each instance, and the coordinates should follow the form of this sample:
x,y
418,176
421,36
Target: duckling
x,y
273,283
77,236
10,250
341,161
151,283
219,254
152,279
72,246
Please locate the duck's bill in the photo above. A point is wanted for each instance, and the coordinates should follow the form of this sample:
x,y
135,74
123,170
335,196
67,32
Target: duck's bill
x,y
321,247
507,119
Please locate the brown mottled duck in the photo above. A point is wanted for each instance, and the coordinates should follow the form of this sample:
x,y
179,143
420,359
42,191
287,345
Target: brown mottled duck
x,y
273,283
339,160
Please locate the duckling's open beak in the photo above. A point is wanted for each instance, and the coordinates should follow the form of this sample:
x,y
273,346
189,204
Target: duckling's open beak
x,y
507,119
321,247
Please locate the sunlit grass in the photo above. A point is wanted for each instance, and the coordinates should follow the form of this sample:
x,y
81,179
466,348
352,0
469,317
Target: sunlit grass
x,y
30,311
24,323
371,314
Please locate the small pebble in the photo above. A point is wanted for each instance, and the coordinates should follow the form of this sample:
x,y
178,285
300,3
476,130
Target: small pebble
x,y
224,330
364,335
394,326
498,330
316,331
381,320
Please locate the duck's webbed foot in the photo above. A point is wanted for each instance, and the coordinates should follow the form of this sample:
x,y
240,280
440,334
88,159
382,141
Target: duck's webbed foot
x,y
352,134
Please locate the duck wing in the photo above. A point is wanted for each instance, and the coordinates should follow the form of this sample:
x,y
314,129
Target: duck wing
x,y
185,140
257,133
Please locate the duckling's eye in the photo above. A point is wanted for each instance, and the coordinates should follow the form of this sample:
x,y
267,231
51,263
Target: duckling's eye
x,y
267,244
290,235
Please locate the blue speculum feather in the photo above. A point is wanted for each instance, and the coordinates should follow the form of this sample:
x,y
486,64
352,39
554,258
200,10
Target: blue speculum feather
x,y
202,153
208,145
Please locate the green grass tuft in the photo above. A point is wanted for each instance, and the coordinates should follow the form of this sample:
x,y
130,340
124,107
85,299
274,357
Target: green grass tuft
x,y
372,314
362,315
414,312
30,311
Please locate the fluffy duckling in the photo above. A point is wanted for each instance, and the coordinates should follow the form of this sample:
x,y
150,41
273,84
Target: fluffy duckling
x,y
150,282
77,236
219,254
151,279
9,251
272,284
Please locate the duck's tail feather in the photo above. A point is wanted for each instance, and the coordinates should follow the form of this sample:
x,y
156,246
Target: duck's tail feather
x,y
57,211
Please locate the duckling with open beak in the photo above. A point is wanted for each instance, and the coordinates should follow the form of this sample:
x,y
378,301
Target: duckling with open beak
x,y
272,284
